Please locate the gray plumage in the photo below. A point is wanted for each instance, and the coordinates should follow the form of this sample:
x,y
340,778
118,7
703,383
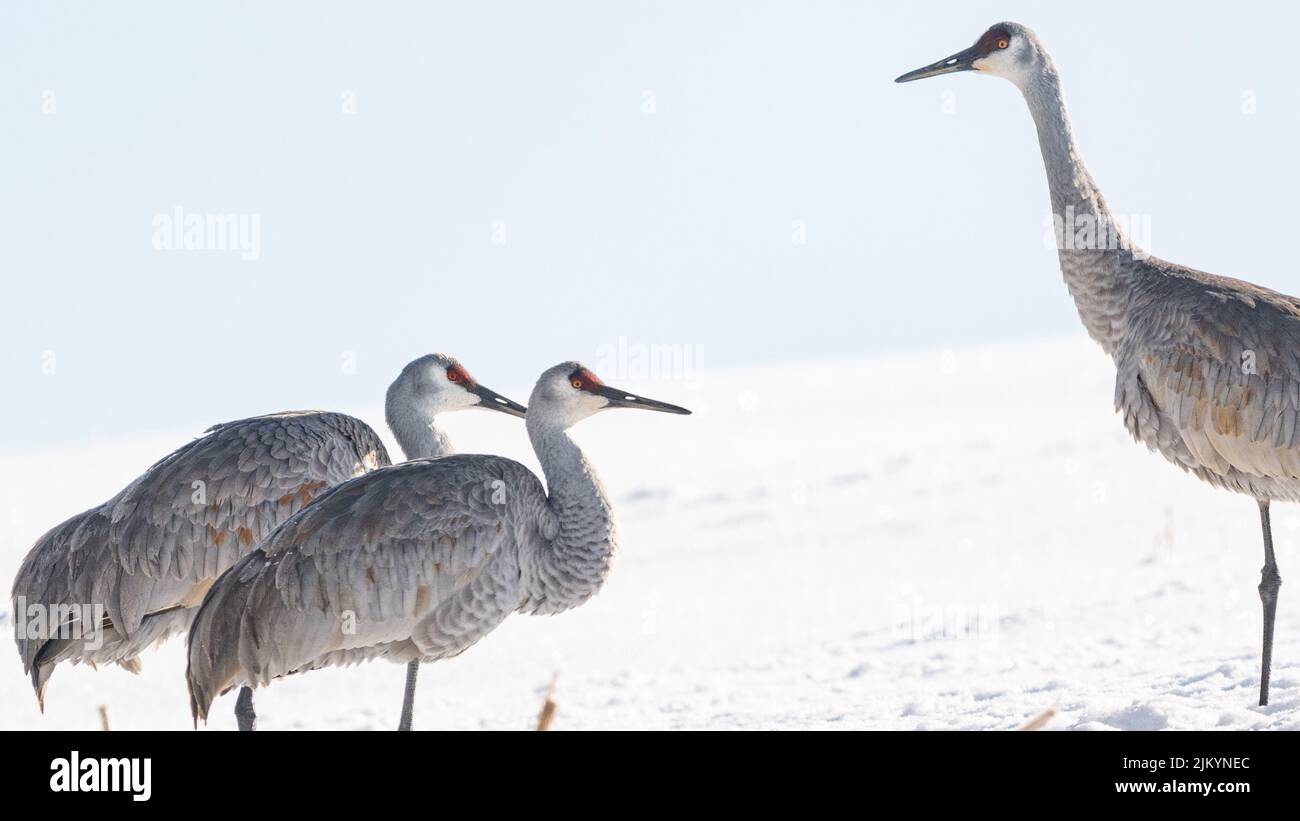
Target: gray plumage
x,y
149,554
418,561
1207,367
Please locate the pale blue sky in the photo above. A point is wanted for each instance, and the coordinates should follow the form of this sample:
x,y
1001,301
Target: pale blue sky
x,y
924,228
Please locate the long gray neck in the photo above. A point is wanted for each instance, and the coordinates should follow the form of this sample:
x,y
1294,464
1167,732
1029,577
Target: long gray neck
x,y
1097,259
574,564
415,431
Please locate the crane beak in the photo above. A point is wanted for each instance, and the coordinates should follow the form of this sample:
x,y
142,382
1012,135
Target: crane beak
x,y
494,401
961,61
623,399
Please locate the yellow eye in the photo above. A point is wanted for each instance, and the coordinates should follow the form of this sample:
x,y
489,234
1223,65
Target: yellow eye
x,y
577,383
1003,44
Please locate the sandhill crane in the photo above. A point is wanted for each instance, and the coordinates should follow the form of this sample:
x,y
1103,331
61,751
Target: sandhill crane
x,y
149,554
1208,368
419,561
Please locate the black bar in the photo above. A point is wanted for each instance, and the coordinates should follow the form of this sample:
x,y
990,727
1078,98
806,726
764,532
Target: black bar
x,y
299,770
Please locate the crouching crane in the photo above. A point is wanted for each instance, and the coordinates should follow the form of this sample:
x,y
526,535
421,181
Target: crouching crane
x,y
418,561
145,558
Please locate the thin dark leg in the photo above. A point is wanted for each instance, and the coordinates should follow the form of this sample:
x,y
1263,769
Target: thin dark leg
x,y
408,701
1269,583
245,717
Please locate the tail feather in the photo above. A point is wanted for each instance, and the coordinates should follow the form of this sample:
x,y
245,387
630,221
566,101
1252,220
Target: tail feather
x,y
40,677
108,646
214,651
51,577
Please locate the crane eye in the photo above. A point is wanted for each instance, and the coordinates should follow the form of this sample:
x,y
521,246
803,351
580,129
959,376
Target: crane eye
x,y
453,376
1003,43
580,378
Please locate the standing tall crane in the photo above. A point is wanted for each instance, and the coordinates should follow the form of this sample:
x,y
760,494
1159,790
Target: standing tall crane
x,y
147,556
420,560
1208,367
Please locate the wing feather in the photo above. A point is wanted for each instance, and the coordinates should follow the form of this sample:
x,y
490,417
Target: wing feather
x,y
159,543
1210,378
415,560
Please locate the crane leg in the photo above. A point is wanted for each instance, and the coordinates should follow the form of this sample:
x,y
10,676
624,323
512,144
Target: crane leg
x,y
245,717
1269,583
408,700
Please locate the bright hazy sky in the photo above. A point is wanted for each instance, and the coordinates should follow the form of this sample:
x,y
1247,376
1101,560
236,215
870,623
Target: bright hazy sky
x,y
924,225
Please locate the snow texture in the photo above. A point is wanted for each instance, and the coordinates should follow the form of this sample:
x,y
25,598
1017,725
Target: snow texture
x,y
943,540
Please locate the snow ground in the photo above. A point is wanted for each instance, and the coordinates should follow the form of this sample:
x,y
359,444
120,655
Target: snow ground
x,y
955,539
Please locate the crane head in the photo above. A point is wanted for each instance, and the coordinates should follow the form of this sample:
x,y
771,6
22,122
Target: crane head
x,y
1006,50
438,383
569,392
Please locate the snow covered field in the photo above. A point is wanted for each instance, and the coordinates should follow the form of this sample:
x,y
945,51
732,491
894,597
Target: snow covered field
x,y
955,539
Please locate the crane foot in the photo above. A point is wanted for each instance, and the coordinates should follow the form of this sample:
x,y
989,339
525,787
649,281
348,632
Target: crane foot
x,y
245,716
408,699
1269,582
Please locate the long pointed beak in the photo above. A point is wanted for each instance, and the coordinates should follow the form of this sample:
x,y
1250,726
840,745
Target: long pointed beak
x,y
961,61
623,399
494,401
